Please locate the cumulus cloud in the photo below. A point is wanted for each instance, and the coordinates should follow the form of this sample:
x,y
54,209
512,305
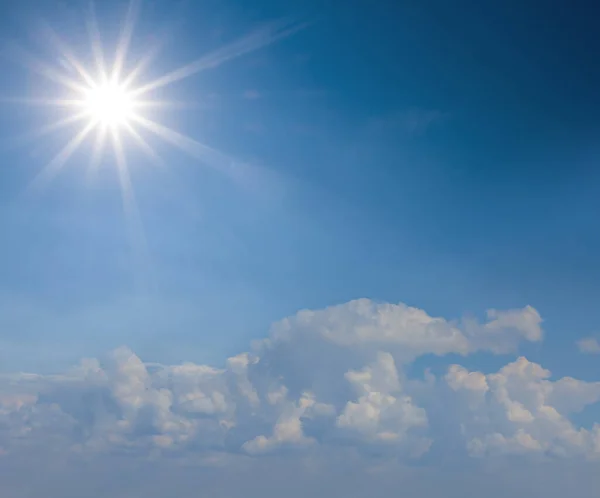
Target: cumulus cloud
x,y
589,345
382,413
331,380
519,410
410,332
288,431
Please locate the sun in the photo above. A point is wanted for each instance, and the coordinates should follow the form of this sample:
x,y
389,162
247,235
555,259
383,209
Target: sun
x,y
105,99
109,105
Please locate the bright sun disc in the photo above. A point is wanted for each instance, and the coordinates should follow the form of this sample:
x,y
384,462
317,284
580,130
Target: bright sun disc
x,y
109,104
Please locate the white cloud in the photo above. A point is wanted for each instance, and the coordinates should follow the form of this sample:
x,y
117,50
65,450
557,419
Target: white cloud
x,y
410,332
287,430
589,345
519,410
382,413
330,381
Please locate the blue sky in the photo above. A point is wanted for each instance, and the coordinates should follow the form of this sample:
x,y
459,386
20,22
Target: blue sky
x,y
439,155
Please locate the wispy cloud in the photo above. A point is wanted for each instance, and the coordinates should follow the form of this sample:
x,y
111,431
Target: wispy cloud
x,y
589,345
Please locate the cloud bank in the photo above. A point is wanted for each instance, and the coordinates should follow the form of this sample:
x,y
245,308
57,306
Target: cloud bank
x,y
328,383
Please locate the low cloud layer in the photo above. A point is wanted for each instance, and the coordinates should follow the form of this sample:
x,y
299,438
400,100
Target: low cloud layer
x,y
329,402
327,382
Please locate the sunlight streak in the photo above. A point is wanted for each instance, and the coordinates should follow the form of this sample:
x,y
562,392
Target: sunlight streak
x,y
54,166
96,43
47,129
164,104
146,148
125,39
43,69
141,66
97,150
52,127
42,102
135,227
129,204
67,53
194,148
250,43
156,44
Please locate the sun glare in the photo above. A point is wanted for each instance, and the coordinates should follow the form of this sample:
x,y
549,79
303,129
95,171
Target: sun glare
x,y
106,101
109,105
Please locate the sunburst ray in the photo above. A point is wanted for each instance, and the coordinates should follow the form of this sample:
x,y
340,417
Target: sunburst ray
x,y
192,147
67,53
42,102
96,43
56,164
57,125
97,151
146,148
125,39
24,57
142,64
27,138
256,40
135,227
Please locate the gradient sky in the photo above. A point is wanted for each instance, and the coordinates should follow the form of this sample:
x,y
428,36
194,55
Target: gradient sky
x,y
439,154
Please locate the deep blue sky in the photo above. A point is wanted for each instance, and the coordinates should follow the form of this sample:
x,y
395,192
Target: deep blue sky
x,y
439,154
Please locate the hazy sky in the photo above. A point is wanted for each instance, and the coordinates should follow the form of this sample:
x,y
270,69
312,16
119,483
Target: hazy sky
x,y
370,268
